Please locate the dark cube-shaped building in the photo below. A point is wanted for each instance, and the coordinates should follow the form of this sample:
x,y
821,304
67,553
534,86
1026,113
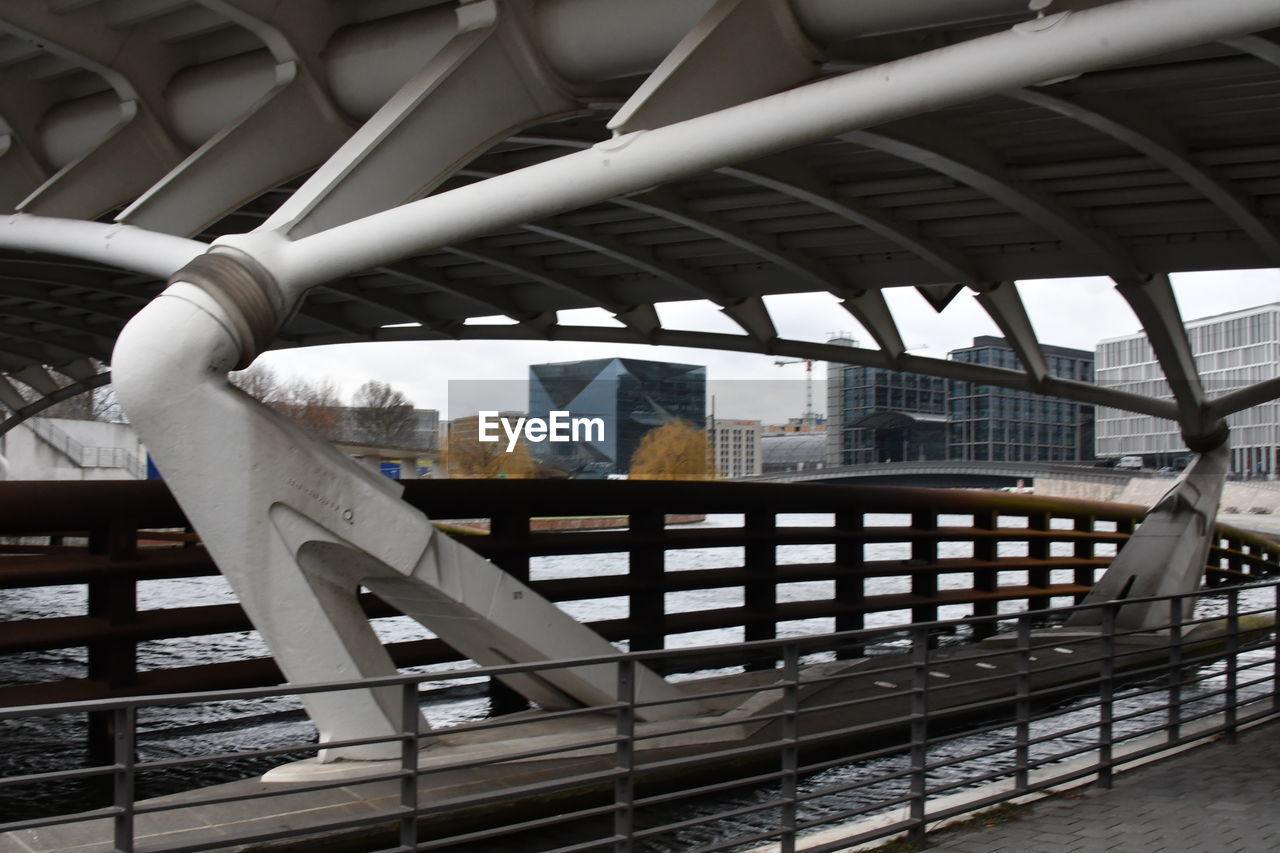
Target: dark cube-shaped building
x,y
630,396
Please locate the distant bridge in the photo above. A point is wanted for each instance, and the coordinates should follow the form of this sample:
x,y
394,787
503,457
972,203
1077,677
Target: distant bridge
x,y
944,474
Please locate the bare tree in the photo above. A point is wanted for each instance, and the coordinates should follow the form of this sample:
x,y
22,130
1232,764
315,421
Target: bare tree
x,y
260,382
314,405
384,415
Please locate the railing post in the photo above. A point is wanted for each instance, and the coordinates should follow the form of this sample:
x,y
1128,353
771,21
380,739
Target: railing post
x,y
1231,696
646,567
790,744
1022,707
850,580
1174,725
113,599
1106,698
924,565
124,721
409,716
1083,550
1275,651
919,735
761,590
1038,549
987,579
511,525
624,758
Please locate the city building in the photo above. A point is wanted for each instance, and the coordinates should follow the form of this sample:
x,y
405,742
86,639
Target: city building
x,y
1232,350
631,396
878,415
792,451
735,447
988,422
817,423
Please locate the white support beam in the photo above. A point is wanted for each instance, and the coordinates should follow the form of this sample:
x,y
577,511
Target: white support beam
x,y
739,51
402,153
119,167
40,380
298,528
297,116
871,309
1166,555
1153,302
235,166
121,246
787,176
1000,299
1053,47
10,397
113,172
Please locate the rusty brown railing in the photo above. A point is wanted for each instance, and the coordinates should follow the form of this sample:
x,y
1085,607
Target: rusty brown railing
x,y
110,536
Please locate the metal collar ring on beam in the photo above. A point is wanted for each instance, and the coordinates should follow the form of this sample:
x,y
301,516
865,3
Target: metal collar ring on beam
x,y
245,290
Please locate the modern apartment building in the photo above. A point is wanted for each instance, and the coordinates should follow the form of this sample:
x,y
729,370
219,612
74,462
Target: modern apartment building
x,y
1232,350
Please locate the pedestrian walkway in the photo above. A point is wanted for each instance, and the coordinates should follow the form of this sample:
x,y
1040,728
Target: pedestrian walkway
x,y
1219,798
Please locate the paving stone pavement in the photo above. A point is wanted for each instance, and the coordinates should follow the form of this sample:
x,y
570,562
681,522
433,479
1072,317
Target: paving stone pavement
x,y
1219,798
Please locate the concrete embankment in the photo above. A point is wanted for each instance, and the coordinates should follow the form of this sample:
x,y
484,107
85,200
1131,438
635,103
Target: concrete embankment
x,y
1243,505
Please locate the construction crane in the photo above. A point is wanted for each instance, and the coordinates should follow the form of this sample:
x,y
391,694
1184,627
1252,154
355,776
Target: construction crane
x,y
810,418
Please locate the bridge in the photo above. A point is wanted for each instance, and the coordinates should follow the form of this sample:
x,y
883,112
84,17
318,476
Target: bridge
x,y
958,474
189,183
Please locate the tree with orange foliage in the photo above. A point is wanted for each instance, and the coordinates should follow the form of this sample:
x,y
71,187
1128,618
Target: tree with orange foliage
x,y
467,458
673,451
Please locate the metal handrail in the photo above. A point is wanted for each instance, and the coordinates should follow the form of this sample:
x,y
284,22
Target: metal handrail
x,y
1249,693
86,457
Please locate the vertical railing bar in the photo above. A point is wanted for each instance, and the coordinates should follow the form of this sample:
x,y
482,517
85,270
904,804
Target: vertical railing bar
x,y
1233,651
624,758
790,740
1022,727
124,721
1275,652
1106,703
1174,725
409,719
919,734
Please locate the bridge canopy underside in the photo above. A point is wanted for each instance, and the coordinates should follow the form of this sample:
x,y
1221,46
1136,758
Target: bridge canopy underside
x,y
205,119
310,172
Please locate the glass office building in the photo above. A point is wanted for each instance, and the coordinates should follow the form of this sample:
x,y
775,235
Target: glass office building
x,y
1232,350
630,396
878,415
990,423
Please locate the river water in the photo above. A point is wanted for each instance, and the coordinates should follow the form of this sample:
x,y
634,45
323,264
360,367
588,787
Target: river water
x,y
237,725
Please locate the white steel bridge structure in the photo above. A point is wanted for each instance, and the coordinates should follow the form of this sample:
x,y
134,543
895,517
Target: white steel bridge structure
x,y
301,172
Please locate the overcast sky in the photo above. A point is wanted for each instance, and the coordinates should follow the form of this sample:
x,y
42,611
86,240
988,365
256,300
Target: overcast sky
x,y
1066,312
